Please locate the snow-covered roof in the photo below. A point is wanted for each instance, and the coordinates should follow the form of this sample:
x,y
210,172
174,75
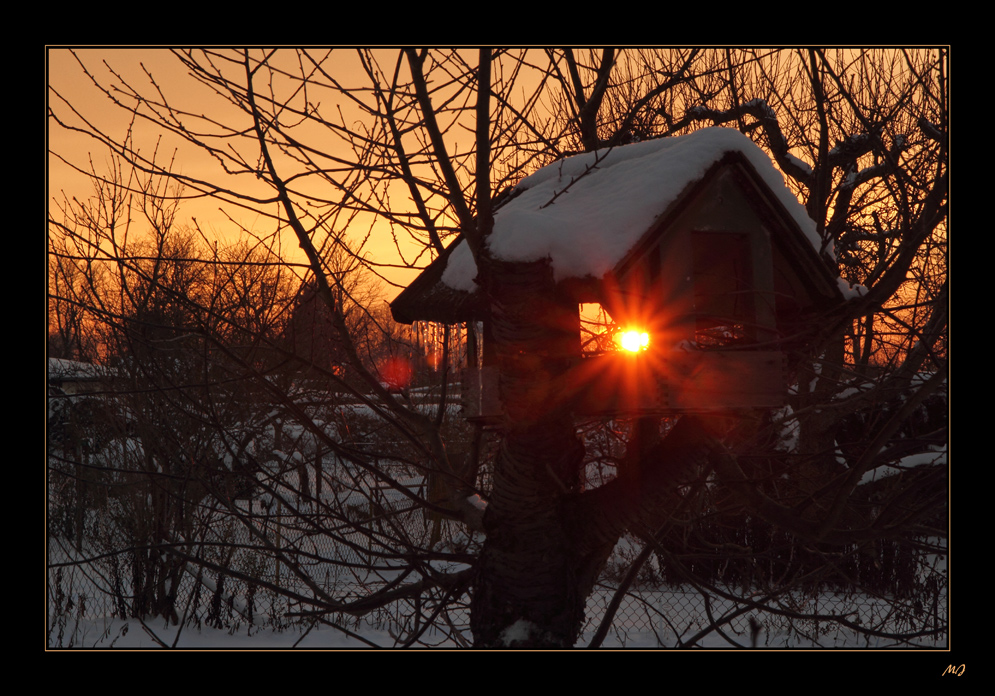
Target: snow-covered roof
x,y
585,212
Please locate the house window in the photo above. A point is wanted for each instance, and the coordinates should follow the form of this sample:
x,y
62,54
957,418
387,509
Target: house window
x,y
600,334
597,329
724,291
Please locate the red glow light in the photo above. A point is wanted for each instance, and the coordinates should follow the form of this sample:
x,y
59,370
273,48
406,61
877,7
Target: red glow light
x,y
396,373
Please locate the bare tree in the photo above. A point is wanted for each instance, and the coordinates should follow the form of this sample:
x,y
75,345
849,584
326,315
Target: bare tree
x,y
315,151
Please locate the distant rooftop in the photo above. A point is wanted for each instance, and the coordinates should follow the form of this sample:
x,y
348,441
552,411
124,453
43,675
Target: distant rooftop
x,y
59,369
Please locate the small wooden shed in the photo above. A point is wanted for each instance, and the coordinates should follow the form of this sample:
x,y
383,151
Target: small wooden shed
x,y
694,240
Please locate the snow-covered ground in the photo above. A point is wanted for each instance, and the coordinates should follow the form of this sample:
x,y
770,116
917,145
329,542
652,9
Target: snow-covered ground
x,y
651,620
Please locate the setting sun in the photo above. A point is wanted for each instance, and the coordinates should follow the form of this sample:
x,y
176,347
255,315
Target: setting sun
x,y
634,341
451,340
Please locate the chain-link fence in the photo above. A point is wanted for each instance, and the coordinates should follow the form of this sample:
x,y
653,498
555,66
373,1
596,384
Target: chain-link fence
x,y
96,584
319,533
690,617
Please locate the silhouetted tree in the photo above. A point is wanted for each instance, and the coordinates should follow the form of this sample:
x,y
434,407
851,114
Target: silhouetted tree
x,y
860,137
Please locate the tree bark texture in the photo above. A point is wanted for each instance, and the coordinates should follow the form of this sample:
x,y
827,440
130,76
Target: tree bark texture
x,y
526,594
547,539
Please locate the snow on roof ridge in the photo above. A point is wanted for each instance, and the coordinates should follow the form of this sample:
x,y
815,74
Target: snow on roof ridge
x,y
578,195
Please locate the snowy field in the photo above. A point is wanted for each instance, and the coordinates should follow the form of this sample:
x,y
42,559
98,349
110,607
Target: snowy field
x,y
651,620
131,634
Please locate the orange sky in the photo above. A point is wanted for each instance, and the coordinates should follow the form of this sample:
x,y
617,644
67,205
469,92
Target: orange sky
x,y
67,77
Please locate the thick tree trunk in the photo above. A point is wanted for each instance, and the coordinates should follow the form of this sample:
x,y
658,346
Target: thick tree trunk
x,y
526,593
547,540
546,547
